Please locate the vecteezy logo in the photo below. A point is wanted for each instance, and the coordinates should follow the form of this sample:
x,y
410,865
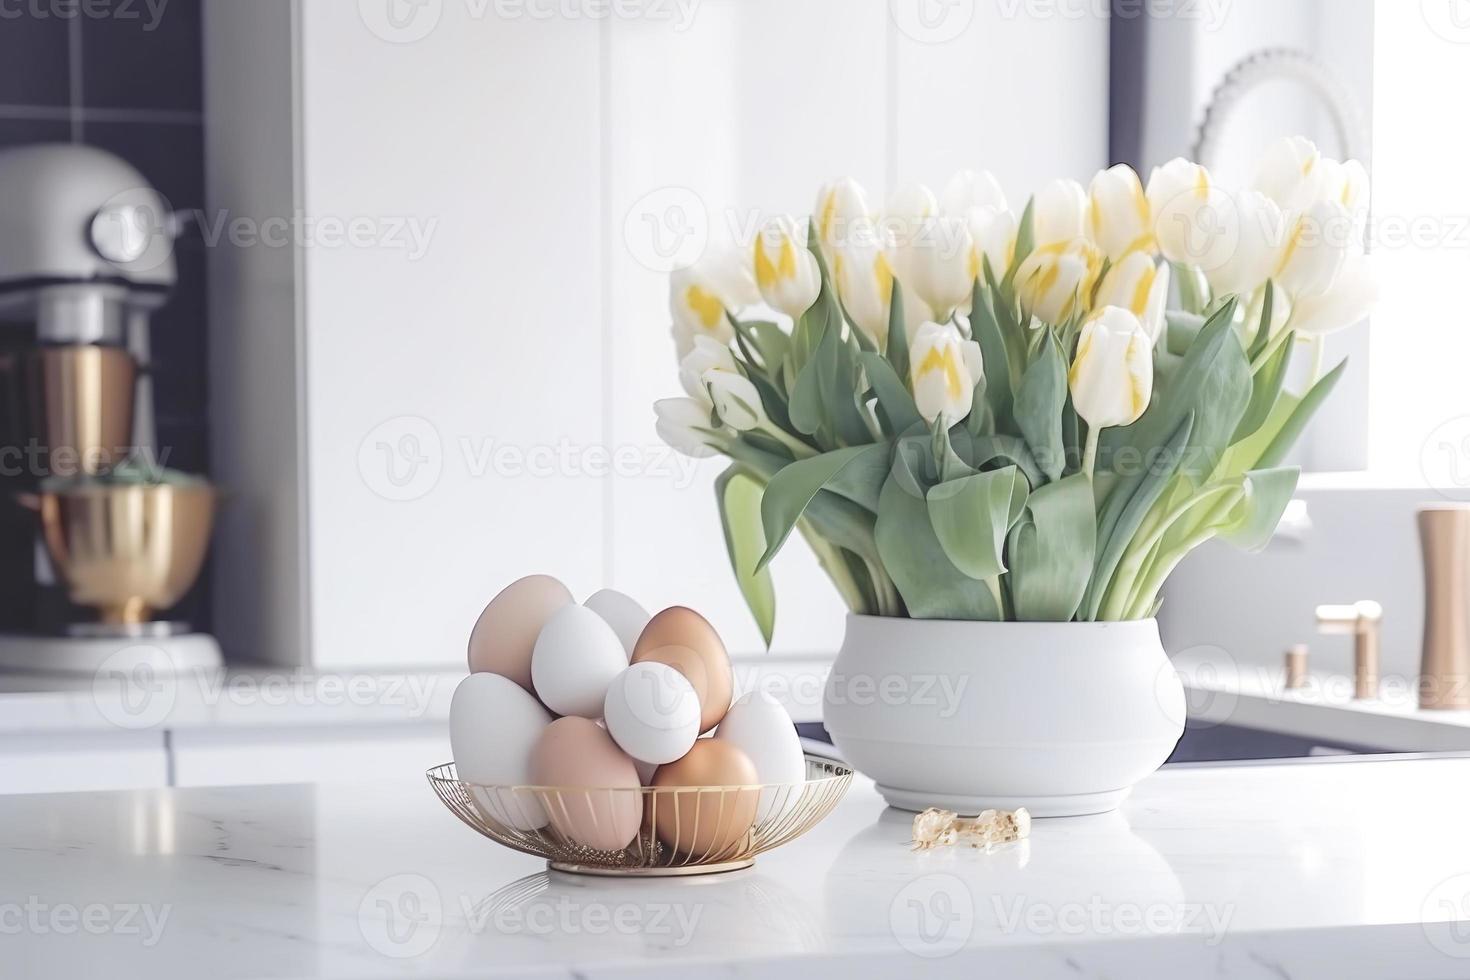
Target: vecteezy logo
x,y
932,916
400,21
402,459
667,229
135,687
401,916
1446,916
1444,459
932,21
1450,19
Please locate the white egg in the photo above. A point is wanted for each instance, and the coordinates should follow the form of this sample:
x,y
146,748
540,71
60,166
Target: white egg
x,y
575,658
759,726
493,724
652,712
622,613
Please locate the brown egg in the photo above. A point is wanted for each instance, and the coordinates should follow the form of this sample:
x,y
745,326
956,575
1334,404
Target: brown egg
x,y
576,752
506,631
683,639
705,825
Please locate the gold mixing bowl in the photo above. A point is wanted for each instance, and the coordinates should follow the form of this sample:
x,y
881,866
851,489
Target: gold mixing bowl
x,y
126,549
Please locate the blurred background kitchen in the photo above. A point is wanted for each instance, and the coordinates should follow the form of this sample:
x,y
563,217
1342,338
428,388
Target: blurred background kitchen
x,y
361,308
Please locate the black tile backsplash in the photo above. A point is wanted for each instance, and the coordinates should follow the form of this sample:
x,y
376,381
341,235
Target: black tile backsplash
x,y
147,61
34,69
128,78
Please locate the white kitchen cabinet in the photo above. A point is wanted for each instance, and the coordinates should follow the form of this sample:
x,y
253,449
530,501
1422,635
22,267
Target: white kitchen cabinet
x,y
74,762
445,380
305,754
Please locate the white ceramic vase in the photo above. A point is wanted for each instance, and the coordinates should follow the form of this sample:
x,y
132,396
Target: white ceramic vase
x,y
1061,718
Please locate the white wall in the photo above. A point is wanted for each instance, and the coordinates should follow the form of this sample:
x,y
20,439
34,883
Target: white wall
x,y
535,320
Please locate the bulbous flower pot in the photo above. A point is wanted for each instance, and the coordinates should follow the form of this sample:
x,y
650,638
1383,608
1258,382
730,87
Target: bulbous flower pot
x,y
1061,718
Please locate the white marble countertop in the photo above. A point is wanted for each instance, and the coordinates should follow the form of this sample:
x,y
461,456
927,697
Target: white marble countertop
x,y
1323,869
1221,691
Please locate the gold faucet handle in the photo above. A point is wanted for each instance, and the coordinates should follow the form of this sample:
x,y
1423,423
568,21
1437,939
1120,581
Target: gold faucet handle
x,y
1349,617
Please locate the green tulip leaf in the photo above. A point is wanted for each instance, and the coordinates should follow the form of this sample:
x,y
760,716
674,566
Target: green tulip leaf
x,y
1263,326
972,516
981,451
1025,242
930,585
1266,385
1253,520
993,353
1040,399
895,400
1300,413
1127,502
739,497
897,346
1051,550
856,473
1180,329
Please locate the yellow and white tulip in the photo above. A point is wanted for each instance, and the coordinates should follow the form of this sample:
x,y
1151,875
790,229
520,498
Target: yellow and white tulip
x,y
1112,376
972,189
1252,233
938,263
1351,298
1184,206
678,422
994,234
943,371
1119,218
1290,173
864,282
1317,243
706,355
1141,286
786,273
1055,281
700,295
1059,213
842,216
735,399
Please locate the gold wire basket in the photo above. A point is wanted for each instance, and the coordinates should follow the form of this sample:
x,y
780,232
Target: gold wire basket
x,y
682,830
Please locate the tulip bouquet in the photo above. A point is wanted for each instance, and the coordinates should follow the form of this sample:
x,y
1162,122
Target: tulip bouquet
x,y
970,415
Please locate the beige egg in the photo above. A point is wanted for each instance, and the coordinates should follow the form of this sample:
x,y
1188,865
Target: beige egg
x,y
575,752
505,634
705,825
683,639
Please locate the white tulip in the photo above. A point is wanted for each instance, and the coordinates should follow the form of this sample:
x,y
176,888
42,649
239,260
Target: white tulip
x,y
1351,298
864,282
701,294
1059,213
678,420
1255,229
1289,174
1184,206
1055,281
972,189
1119,218
706,355
943,371
736,400
994,234
786,273
1140,286
938,263
1347,184
1112,376
1316,245
842,215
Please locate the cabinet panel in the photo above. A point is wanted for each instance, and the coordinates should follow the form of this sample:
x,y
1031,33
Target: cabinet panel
x,y
242,757
58,763
453,359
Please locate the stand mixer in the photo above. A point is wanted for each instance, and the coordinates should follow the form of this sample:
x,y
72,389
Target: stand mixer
x,y
86,255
